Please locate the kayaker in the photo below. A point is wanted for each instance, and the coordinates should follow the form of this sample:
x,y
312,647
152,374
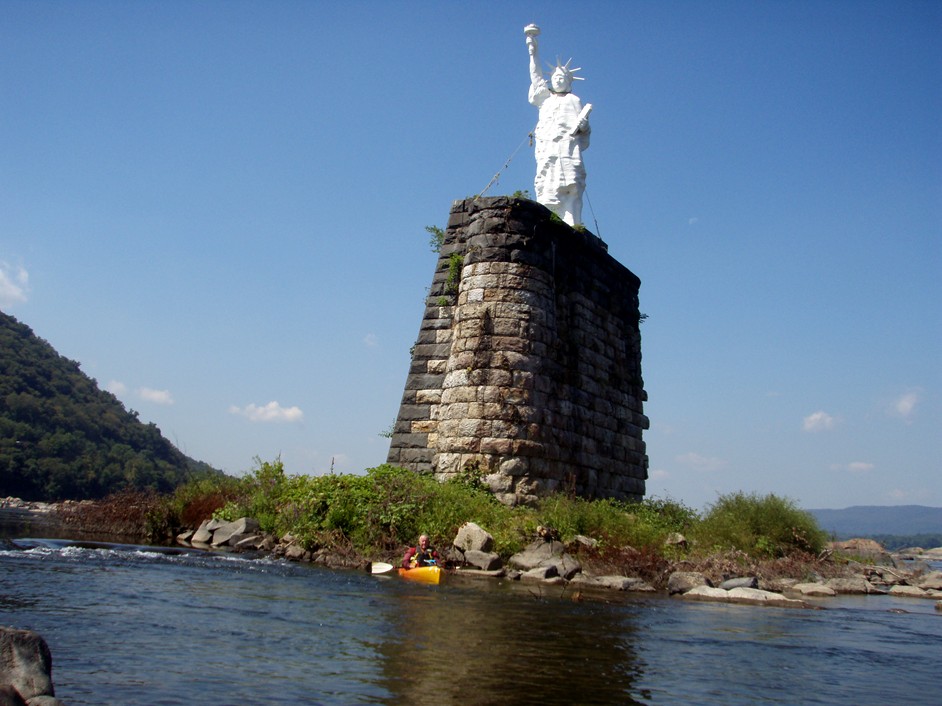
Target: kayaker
x,y
420,555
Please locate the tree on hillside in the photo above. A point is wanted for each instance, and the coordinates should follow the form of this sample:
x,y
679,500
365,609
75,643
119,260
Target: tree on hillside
x,y
62,437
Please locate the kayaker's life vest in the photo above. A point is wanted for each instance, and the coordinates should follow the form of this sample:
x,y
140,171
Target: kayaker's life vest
x,y
421,558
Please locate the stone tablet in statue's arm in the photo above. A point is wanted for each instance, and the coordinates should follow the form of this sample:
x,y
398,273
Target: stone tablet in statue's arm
x,y
582,124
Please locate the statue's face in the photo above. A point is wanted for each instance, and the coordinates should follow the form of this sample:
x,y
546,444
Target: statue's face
x,y
560,82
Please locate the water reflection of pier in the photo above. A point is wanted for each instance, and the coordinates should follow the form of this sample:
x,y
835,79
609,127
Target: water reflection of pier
x,y
499,644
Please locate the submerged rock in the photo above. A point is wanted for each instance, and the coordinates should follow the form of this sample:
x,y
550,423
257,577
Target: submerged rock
x,y
748,596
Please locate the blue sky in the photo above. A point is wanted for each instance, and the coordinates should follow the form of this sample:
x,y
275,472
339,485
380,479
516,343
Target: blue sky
x,y
218,209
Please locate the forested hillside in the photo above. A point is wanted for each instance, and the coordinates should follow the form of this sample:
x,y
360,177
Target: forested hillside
x,y
62,437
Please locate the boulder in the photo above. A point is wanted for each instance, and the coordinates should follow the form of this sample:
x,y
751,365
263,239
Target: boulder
x,y
471,537
45,701
536,553
581,541
240,528
675,539
249,542
855,584
496,574
203,535
743,582
909,592
566,566
866,549
706,593
486,561
813,589
541,554
540,573
452,555
25,664
683,581
931,581
9,697
295,552
627,583
615,583
755,596
779,585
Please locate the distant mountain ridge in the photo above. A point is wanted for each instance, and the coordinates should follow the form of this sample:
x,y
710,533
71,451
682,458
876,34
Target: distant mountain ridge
x,y
61,437
868,520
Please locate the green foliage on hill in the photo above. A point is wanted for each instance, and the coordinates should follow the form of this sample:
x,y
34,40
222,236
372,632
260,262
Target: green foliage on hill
x,y
63,438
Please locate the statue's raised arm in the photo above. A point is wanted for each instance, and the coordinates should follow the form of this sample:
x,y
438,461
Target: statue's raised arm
x,y
532,32
561,134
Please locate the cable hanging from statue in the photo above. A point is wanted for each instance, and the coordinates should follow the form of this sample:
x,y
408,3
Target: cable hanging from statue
x,y
496,177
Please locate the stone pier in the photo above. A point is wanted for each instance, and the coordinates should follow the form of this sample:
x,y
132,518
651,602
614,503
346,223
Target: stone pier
x,y
527,367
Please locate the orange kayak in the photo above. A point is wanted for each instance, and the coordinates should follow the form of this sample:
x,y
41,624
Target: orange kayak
x,y
423,574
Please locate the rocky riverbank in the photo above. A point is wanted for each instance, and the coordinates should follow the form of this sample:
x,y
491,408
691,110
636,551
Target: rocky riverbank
x,y
853,567
548,561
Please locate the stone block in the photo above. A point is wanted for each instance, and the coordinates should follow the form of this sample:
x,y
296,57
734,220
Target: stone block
x,y
411,412
428,397
496,447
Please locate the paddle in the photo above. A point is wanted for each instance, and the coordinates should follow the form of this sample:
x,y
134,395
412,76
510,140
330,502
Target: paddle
x,y
379,567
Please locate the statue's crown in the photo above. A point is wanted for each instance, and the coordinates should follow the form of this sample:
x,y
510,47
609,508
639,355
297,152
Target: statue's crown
x,y
569,73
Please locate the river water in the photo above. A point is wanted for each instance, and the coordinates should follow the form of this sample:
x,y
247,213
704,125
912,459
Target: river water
x,y
143,625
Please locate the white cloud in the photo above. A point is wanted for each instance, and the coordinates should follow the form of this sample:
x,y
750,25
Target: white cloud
x,y
904,406
271,412
14,285
819,421
853,466
658,474
116,388
370,340
692,221
156,396
700,463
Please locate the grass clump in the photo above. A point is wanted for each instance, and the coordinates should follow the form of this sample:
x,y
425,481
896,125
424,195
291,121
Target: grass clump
x,y
766,526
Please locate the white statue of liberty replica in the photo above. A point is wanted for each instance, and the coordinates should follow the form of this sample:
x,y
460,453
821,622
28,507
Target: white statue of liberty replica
x,y
562,133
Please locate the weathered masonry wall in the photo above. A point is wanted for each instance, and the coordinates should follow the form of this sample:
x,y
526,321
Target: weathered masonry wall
x,y
527,368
